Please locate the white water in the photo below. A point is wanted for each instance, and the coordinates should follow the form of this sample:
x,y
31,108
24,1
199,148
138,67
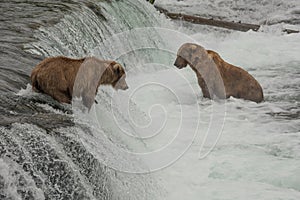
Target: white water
x,y
247,11
160,124
257,156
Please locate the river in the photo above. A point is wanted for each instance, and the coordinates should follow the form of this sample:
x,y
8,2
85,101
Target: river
x,y
160,139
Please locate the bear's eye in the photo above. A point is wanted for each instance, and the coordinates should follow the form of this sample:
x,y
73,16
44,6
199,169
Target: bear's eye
x,y
197,60
117,71
115,82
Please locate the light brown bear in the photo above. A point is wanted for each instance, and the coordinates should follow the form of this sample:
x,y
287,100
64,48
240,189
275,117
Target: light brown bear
x,y
62,78
217,77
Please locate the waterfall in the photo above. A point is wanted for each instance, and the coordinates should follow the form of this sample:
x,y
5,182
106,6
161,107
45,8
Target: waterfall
x,y
143,41
73,162
156,140
88,27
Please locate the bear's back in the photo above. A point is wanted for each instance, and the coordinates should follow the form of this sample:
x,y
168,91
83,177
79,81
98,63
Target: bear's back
x,y
61,62
51,71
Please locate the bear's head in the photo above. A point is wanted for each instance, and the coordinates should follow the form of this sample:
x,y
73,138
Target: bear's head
x,y
94,72
188,54
118,78
180,62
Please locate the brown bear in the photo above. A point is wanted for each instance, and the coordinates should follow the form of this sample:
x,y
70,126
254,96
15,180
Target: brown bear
x,y
62,78
217,77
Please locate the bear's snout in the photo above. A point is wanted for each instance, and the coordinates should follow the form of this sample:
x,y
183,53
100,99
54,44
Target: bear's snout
x,y
180,62
121,84
121,87
126,87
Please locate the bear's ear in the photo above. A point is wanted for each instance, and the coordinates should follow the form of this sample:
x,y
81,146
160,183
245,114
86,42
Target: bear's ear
x,y
193,48
117,68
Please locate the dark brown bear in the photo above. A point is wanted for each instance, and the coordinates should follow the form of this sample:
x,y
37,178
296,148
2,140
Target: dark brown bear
x,y
217,77
56,77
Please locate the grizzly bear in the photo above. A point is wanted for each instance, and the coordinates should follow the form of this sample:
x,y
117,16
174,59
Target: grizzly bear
x,y
62,78
217,77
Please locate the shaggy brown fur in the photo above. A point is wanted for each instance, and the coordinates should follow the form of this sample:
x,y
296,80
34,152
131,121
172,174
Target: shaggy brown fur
x,y
217,77
62,78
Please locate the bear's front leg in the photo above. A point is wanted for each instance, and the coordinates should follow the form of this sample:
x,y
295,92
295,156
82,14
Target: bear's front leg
x,y
204,88
88,99
62,97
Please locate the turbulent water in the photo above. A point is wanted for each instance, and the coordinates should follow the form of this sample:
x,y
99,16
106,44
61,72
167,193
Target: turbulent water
x,y
160,139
